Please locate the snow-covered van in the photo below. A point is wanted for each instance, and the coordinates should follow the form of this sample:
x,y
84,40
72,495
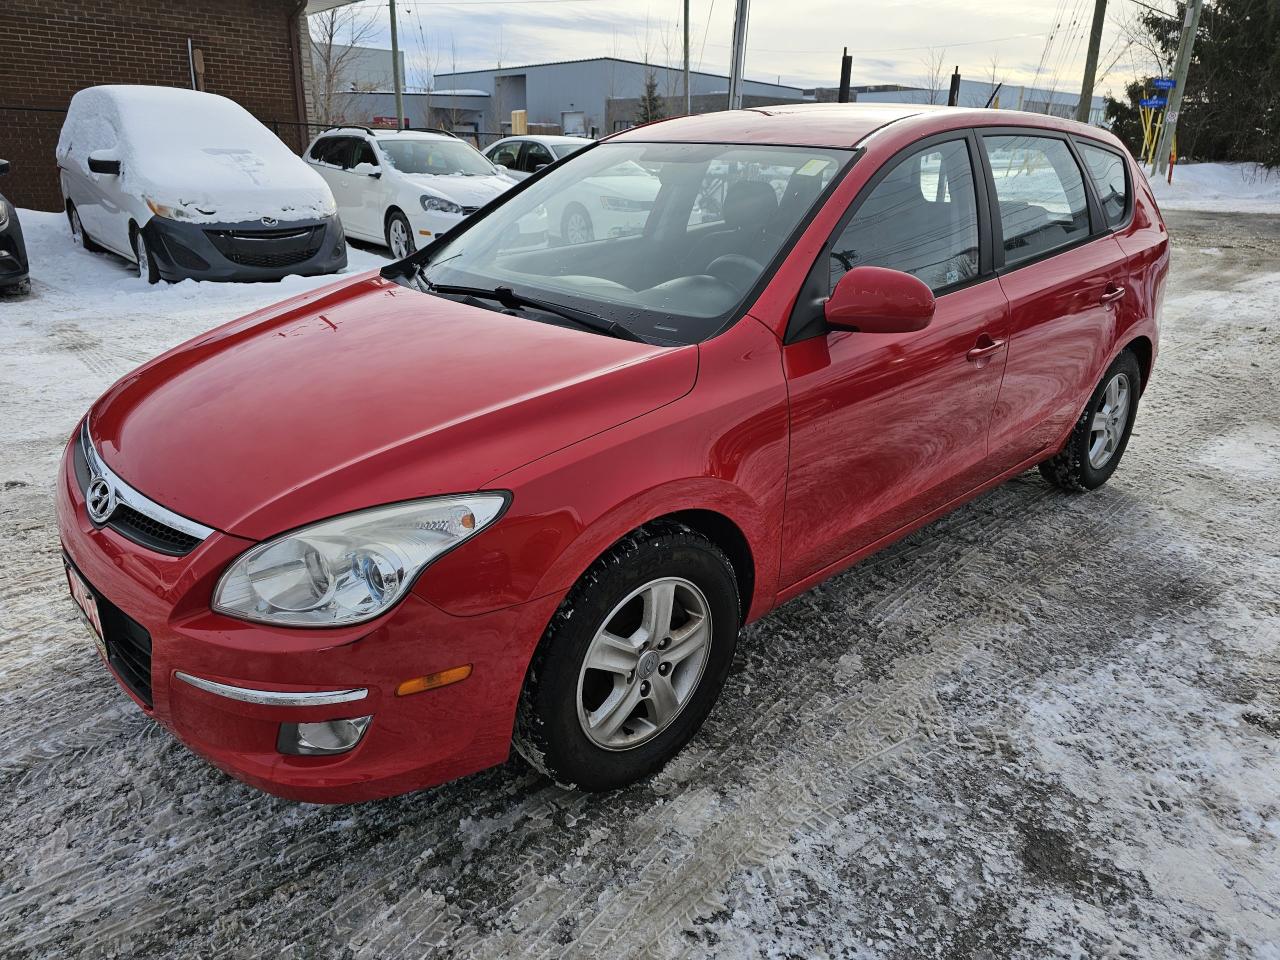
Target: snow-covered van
x,y
190,184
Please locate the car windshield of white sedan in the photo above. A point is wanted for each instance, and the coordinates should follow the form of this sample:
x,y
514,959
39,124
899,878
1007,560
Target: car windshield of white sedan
x,y
439,157
666,240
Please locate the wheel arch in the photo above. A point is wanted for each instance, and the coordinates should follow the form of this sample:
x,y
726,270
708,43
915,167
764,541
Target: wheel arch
x,y
1142,348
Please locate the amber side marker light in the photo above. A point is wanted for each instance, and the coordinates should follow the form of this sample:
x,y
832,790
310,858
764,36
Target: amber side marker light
x,y
433,680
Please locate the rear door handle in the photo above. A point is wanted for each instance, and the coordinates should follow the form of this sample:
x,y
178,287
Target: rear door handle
x,y
1112,294
986,350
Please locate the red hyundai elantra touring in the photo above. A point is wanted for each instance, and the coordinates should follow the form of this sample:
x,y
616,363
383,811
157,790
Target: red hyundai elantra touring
x,y
517,490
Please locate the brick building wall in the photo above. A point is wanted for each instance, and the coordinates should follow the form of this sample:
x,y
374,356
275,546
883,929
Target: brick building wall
x,y
49,49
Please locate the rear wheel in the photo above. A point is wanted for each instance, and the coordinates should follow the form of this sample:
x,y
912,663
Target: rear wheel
x,y
632,662
1093,451
147,268
399,235
78,235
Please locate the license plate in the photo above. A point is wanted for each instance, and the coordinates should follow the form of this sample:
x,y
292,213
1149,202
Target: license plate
x,y
88,605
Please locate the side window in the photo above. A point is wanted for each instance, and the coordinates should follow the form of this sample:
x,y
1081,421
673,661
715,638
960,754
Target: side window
x,y
321,148
921,219
536,155
1041,194
365,154
1108,172
506,155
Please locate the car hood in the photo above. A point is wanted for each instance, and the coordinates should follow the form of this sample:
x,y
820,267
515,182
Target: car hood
x,y
467,191
361,394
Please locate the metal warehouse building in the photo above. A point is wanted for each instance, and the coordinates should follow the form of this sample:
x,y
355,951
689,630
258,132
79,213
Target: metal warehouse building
x,y
572,95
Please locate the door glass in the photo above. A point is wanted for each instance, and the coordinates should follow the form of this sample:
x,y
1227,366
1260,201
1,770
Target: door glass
x,y
1041,194
365,154
505,155
1108,172
921,219
535,156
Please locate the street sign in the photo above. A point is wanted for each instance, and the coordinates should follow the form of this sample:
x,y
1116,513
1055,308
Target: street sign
x,y
1154,102
1163,83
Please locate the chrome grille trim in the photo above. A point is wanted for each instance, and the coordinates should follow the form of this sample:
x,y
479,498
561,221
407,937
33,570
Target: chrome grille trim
x,y
131,498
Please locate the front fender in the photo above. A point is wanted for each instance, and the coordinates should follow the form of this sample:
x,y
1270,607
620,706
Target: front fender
x,y
722,448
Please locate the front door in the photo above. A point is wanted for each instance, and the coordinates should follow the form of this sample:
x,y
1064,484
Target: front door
x,y
886,428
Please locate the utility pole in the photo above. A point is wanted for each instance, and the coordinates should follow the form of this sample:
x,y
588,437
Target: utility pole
x,y
846,74
688,94
953,95
1182,66
395,68
739,54
1085,106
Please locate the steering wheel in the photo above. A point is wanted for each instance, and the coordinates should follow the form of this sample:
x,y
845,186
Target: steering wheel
x,y
735,270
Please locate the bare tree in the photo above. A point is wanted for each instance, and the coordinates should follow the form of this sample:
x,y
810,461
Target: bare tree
x,y
995,77
335,38
934,63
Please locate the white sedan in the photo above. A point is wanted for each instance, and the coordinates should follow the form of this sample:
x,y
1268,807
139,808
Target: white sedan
x,y
403,188
614,203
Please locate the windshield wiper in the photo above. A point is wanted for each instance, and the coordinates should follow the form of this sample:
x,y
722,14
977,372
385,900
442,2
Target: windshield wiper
x,y
516,301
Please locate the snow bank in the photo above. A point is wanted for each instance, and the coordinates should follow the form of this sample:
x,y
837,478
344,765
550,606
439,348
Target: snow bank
x,y
201,154
1225,187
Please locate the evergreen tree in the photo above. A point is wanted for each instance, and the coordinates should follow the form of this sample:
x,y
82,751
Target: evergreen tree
x,y
651,106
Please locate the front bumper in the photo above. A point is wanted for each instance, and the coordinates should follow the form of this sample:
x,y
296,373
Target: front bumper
x,y
412,742
245,251
13,251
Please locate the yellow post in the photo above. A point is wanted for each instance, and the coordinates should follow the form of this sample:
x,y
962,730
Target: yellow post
x,y
519,123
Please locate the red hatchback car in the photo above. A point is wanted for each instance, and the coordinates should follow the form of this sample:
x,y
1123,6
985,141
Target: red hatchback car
x,y
514,490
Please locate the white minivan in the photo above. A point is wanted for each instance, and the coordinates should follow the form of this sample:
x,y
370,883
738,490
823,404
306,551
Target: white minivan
x,y
190,184
403,188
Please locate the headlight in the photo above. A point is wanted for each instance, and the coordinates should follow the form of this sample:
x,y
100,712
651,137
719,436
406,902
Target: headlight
x,y
171,211
351,568
622,204
438,204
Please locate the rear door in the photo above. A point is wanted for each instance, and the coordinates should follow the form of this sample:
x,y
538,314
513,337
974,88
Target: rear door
x,y
886,428
332,159
1062,273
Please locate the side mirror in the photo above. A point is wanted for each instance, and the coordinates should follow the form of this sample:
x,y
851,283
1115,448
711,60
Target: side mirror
x,y
101,164
879,300
367,169
4,166
540,166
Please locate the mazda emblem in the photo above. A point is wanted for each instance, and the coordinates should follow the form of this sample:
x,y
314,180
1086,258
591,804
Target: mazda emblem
x,y
100,500
269,221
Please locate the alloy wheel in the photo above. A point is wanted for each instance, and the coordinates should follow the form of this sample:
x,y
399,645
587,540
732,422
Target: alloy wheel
x,y
77,228
140,251
399,240
644,663
577,229
1109,421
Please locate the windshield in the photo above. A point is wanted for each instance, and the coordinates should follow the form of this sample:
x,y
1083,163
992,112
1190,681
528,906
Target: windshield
x,y
440,157
665,239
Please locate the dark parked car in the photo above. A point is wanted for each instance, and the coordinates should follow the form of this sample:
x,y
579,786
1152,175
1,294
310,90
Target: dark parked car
x,y
13,252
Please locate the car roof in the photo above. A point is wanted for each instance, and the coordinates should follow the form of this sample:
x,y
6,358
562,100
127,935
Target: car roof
x,y
377,134
837,124
545,138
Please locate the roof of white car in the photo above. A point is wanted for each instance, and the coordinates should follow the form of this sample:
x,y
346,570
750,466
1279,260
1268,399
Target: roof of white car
x,y
544,138
390,134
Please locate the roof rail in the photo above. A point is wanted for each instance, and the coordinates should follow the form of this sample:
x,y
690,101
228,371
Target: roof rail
x,y
347,126
447,133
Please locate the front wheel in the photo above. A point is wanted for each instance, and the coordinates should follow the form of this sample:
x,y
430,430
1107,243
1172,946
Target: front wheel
x,y
78,235
399,235
576,225
1093,451
632,662
147,268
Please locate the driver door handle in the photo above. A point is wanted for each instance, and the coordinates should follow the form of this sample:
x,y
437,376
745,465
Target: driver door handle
x,y
985,350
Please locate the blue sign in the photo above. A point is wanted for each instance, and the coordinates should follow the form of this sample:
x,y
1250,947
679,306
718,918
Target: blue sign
x,y
1154,102
1163,83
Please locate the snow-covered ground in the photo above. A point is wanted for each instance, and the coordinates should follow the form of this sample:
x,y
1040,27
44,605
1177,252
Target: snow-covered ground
x,y
1043,726
1222,187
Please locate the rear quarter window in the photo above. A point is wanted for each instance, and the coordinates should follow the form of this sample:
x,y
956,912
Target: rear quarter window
x,y
1110,176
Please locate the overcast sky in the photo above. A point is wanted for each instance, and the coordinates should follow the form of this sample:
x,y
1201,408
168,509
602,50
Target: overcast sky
x,y
798,41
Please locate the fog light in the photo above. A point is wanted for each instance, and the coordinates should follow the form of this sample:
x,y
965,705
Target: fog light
x,y
323,738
